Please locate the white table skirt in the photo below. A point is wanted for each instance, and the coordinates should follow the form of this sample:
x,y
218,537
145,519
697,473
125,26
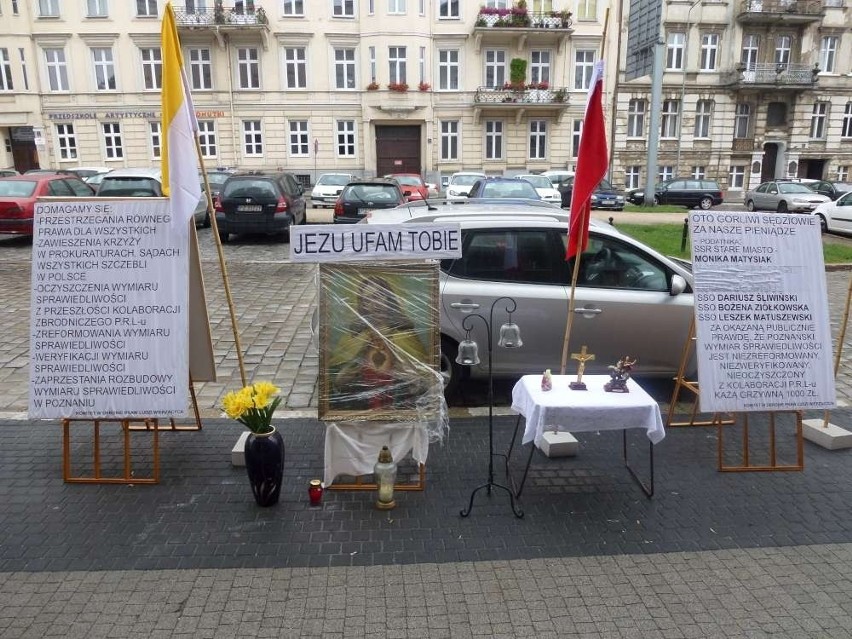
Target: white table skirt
x,y
594,409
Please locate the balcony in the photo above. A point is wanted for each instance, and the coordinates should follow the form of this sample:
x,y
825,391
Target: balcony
x,y
743,145
774,76
223,18
525,101
497,26
774,12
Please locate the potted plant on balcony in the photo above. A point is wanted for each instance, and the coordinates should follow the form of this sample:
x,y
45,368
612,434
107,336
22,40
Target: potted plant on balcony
x,y
373,86
260,14
424,86
398,87
519,16
560,95
219,12
517,74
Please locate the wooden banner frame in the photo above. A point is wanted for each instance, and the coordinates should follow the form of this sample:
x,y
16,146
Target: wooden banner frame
x,y
127,477
773,460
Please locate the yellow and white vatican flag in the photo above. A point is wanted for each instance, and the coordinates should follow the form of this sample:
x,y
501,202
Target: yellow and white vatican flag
x,y
179,158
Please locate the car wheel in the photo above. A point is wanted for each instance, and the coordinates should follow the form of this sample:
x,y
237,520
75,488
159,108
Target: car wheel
x,y
782,207
223,237
823,224
750,205
705,203
451,372
656,201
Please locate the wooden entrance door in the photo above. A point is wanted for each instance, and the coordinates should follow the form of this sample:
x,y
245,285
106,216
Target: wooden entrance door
x,y
398,149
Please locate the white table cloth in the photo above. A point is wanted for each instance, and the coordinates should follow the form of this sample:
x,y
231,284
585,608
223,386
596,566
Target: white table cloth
x,y
594,409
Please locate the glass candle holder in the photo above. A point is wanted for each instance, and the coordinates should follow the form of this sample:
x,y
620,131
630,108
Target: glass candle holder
x,y
315,492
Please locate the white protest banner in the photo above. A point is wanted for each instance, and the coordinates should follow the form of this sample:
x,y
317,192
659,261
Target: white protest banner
x,y
763,333
108,322
356,242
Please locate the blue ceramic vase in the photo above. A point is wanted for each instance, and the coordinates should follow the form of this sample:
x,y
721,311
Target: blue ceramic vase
x,y
265,466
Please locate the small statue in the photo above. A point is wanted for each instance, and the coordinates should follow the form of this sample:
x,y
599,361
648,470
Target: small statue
x,y
619,374
546,381
581,357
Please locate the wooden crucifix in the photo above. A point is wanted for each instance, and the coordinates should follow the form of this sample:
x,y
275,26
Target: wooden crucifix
x,y
581,357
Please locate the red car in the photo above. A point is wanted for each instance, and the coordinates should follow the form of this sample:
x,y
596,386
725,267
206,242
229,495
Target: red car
x,y
18,196
412,185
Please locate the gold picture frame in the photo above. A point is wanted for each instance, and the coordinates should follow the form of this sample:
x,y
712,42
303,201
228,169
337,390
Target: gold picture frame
x,y
380,347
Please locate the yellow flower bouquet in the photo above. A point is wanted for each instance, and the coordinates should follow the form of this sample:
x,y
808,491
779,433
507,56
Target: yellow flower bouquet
x,y
253,406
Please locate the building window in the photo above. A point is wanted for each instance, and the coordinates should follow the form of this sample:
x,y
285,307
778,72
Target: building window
x,y
396,65
293,8
666,173
299,138
497,4
48,8
709,51
422,64
146,8
449,9
113,149
587,10
703,113
67,141
736,178
343,9
295,68
538,140
207,138
540,6
346,138
699,172
5,70
783,46
846,129
373,68
584,64
57,70
15,10
843,173
104,68
252,138
495,68
96,9
670,119
540,66
493,140
819,115
396,7
751,46
248,68
344,68
23,57
742,121
576,132
636,118
449,139
675,44
828,54
448,70
776,114
156,138
632,175
200,69
152,68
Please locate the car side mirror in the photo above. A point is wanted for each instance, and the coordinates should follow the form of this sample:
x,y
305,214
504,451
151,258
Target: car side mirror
x,y
678,285
406,193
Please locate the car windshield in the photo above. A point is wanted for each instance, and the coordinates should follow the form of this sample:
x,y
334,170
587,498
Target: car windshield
x,y
793,188
409,180
465,180
510,189
217,179
334,179
129,187
604,185
380,192
248,187
539,181
17,188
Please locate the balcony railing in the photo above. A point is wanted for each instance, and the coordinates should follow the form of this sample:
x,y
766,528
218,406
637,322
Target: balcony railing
x,y
221,15
772,8
494,96
742,144
523,19
781,74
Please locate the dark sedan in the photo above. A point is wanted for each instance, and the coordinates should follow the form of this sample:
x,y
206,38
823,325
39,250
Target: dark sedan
x,y
605,196
830,189
361,196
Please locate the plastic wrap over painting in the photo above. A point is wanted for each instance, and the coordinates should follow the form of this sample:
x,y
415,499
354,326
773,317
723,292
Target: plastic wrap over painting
x,y
380,344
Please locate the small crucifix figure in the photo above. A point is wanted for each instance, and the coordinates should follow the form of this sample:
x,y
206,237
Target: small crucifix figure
x,y
581,357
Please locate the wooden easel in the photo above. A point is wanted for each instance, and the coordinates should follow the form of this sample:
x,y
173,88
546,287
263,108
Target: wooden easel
x,y
773,464
127,476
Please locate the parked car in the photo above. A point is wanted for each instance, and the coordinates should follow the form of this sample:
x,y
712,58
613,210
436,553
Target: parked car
x,y
8,172
145,182
832,190
836,216
328,188
783,196
500,187
361,196
18,195
94,180
260,202
605,195
412,185
558,176
544,187
631,300
686,192
459,185
216,178
88,171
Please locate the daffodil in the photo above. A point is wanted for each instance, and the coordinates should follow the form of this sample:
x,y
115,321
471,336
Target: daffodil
x,y
253,406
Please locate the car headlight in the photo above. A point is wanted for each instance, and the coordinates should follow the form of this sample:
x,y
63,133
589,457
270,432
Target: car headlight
x,y
798,200
594,198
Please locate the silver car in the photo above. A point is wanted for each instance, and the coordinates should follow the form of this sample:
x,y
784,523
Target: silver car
x,y
783,197
630,300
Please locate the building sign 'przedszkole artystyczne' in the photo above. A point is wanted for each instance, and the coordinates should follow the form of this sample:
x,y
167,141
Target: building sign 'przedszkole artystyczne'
x,y
108,323
762,327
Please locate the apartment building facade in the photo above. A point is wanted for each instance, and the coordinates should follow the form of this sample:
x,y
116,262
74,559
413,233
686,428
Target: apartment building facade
x,y
430,86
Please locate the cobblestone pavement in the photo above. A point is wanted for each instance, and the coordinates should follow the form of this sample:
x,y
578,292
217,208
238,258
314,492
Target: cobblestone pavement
x,y
721,555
